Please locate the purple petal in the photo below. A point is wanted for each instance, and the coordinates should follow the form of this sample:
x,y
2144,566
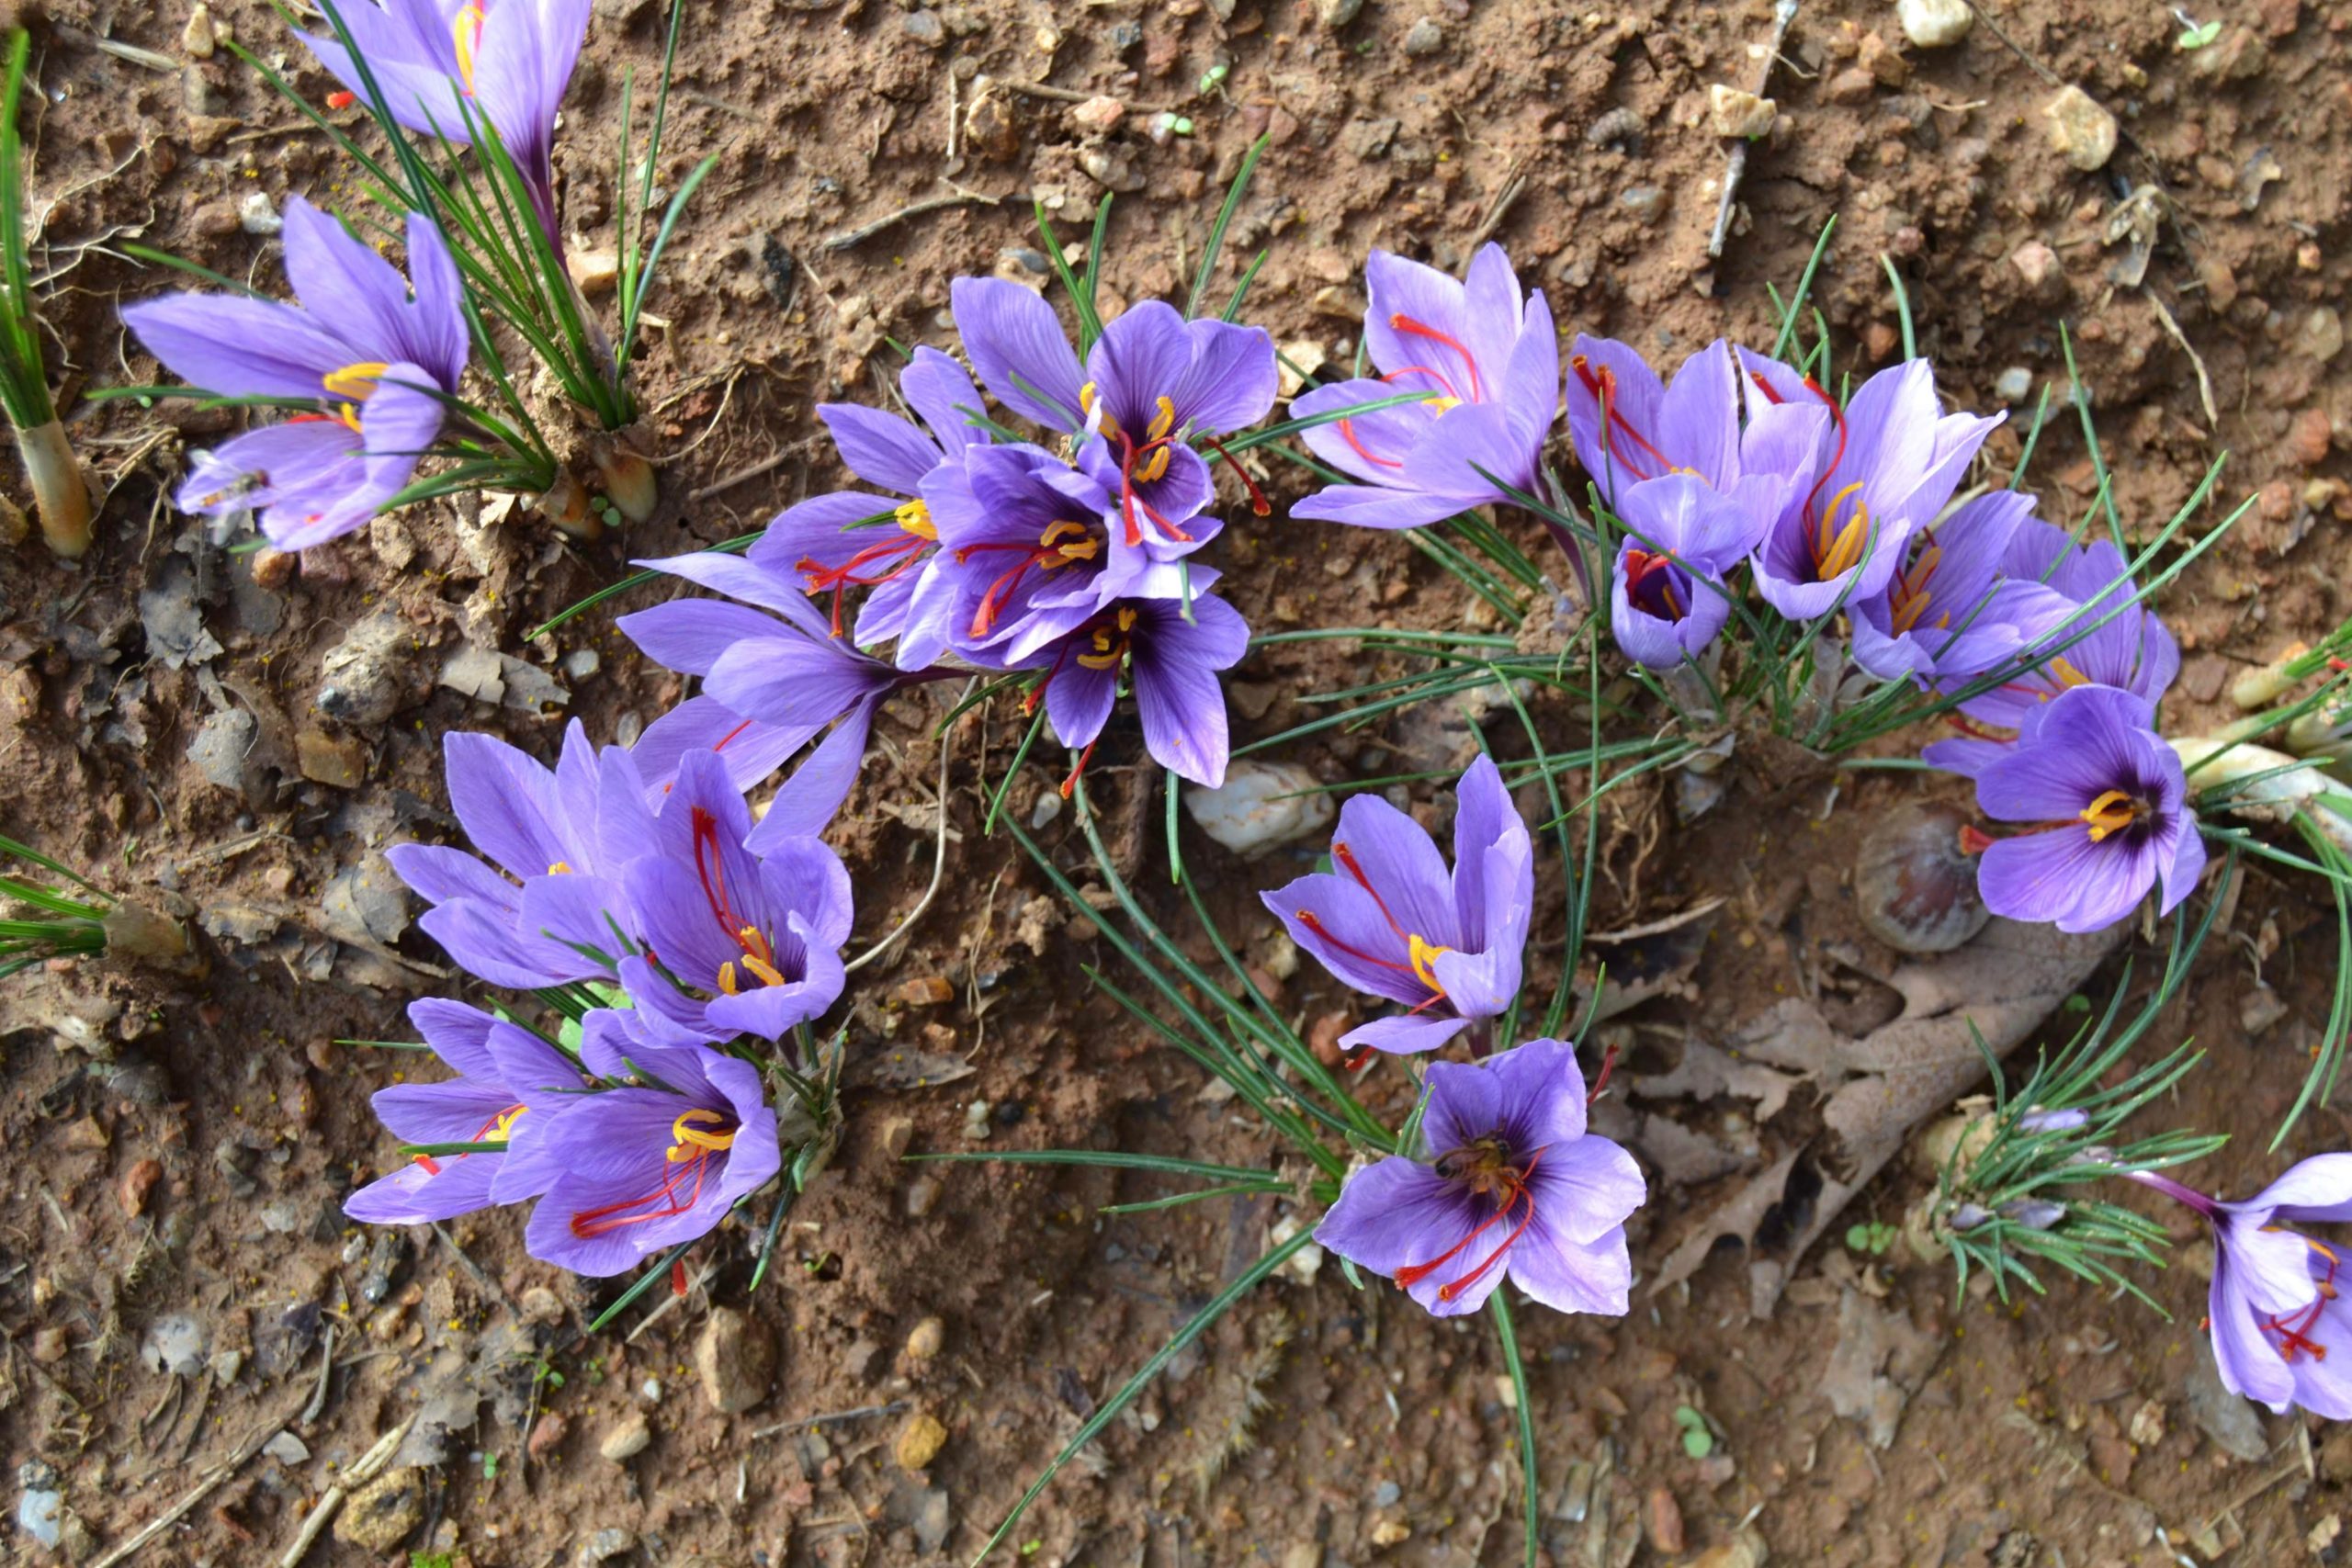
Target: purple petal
x,y
237,347
691,635
880,448
940,392
1568,1276
1405,1035
1232,379
1018,349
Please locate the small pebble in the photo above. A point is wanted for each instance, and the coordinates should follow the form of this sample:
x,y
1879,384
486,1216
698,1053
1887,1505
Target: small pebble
x,y
2320,337
607,1544
547,1435
288,1450
1260,806
1662,1519
924,26
582,662
735,1358
626,1439
923,1341
1737,113
2081,132
1338,14
257,215
197,40
1425,37
976,1121
1934,24
2014,385
920,1441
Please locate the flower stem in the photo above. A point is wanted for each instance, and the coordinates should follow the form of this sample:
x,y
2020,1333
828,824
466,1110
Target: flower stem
x,y
2174,1190
60,492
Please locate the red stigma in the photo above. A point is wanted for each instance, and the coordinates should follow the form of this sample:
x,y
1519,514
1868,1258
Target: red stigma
x,y
1405,323
1069,784
678,1276
728,738
1647,573
1600,1079
1766,387
432,1167
1516,1188
662,1203
1308,918
1259,504
821,579
1354,868
1603,385
340,99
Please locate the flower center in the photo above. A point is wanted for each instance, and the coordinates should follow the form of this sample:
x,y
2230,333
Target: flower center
x,y
1412,327
1113,641
1911,599
758,958
1485,1169
1061,544
903,551
2112,813
914,517
355,382
696,1136
1649,584
465,31
1837,546
495,1131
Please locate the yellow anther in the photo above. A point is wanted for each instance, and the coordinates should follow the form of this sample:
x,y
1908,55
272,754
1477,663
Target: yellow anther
x,y
1442,405
465,31
688,1130
1911,597
764,972
2068,675
1424,958
1155,466
2110,813
727,979
505,1126
1838,550
1162,422
915,518
1103,421
561,868
355,381
1071,541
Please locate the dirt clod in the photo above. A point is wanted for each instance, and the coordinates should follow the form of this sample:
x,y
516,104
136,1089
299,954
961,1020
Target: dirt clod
x,y
1662,1521
629,1437
384,1512
918,1441
735,1358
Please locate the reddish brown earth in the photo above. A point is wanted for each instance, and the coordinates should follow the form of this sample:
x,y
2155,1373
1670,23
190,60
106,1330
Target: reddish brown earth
x,y
1315,1424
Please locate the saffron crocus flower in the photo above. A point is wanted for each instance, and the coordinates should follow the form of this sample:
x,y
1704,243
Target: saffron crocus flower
x,y
507,62
1668,600
378,366
2108,801
1172,663
1511,1187
1628,426
1945,612
1392,921
1029,548
821,538
555,839
499,1067
2275,1309
735,942
1485,348
1152,385
1887,463
637,1169
771,683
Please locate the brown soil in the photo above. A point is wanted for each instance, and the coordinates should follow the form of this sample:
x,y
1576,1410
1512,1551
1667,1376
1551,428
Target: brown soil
x,y
1313,1414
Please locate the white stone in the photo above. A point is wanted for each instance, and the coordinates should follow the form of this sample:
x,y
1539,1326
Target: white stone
x,y
1934,24
1260,806
258,216
1735,112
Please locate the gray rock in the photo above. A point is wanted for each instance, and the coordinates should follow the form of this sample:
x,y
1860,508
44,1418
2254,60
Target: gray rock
x,y
606,1545
286,1449
372,673
175,1343
924,26
1425,37
1646,203
1260,806
40,1507
2013,385
365,903
2231,1421
581,663
1338,14
223,750
173,620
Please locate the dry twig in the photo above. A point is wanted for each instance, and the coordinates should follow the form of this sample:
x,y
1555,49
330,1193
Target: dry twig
x,y
1784,12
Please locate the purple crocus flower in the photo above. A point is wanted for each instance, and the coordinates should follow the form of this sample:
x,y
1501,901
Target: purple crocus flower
x,y
496,1062
1513,1187
559,837
1030,547
822,538
1887,463
2109,801
1668,600
733,941
637,1169
1152,384
378,366
508,62
771,683
1630,427
1172,662
1392,921
2275,1309
1945,612
1485,347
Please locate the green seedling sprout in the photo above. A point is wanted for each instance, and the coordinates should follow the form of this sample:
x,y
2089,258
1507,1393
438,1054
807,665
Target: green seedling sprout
x,y
61,490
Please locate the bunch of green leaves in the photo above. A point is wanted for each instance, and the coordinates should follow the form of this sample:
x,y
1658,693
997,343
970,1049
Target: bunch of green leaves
x,y
2016,1197
24,384
513,272
43,922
